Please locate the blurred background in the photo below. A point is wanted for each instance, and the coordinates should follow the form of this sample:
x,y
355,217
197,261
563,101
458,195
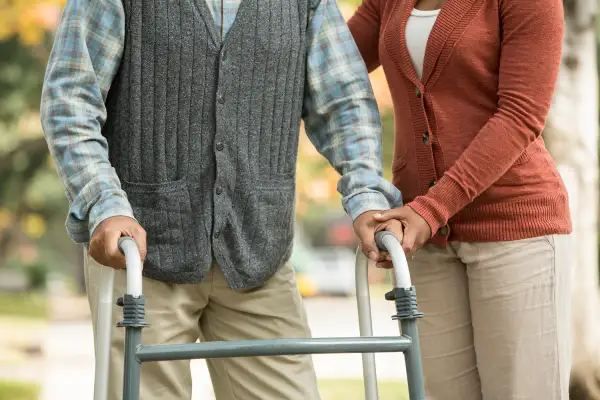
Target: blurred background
x,y
46,345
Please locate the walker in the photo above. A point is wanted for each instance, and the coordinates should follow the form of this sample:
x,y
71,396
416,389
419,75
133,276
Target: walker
x,y
136,353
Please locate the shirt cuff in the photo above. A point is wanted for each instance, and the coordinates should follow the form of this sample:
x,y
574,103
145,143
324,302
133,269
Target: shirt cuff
x,y
440,203
110,204
365,202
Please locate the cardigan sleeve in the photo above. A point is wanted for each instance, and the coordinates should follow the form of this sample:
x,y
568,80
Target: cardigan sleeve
x,y
364,26
532,35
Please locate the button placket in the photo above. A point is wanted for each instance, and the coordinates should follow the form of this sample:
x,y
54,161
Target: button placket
x,y
219,146
418,92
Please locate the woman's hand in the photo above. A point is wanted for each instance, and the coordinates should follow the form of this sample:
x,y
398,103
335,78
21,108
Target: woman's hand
x,y
416,230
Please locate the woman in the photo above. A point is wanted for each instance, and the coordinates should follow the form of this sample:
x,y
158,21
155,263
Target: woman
x,y
486,216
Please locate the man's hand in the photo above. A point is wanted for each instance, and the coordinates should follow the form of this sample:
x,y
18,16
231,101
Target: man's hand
x,y
104,244
365,227
416,230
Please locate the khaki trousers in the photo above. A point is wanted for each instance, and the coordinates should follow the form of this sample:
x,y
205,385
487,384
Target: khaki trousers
x,y
497,319
211,311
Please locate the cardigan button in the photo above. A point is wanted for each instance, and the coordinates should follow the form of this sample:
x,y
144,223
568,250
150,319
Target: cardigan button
x,y
426,137
417,91
432,183
444,231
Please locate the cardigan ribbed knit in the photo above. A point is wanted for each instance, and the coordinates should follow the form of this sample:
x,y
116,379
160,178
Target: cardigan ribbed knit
x,y
469,156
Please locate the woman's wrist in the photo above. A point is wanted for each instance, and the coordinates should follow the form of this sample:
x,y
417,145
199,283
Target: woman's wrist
x,y
420,206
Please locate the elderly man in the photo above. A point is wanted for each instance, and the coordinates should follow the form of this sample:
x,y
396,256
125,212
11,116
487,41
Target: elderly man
x,y
177,123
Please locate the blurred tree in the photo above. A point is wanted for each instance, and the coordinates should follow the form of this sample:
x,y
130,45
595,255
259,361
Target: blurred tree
x,y
317,197
32,202
28,21
572,138
23,152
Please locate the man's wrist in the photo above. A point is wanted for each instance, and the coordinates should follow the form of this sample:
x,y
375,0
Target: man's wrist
x,y
365,202
111,206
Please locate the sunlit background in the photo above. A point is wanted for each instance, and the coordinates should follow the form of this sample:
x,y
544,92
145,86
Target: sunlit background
x,y
46,349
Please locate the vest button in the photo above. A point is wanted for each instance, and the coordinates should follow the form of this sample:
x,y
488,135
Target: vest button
x,y
216,234
220,146
220,98
219,190
224,55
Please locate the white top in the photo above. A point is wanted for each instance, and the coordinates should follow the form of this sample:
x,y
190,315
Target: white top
x,y
418,29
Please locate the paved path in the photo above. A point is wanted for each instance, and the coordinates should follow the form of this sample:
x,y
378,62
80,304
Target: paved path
x,y
69,368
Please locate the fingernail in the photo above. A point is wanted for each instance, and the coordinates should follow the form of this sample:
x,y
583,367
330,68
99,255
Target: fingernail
x,y
378,215
373,256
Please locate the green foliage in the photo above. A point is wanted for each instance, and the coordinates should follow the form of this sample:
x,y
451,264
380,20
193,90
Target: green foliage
x,y
353,3
353,389
37,275
21,78
18,391
23,305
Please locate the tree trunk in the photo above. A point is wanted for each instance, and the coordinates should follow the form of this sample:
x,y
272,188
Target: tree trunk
x,y
572,138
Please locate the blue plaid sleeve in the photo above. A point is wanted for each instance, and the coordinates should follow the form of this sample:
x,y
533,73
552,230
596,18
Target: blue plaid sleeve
x,y
341,115
85,57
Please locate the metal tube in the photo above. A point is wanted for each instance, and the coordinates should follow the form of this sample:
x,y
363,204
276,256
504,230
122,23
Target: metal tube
x,y
394,248
134,266
274,347
363,300
131,381
103,327
408,327
104,316
412,357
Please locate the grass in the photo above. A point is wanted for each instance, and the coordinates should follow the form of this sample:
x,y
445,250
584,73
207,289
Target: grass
x,y
353,389
24,305
10,390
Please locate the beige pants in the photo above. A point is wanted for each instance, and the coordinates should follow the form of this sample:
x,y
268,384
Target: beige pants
x,y
497,319
211,311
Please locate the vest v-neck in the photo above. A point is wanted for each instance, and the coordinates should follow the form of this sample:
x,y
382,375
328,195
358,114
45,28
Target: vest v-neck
x,y
208,18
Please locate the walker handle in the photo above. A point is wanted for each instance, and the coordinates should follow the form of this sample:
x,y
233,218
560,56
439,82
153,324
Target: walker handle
x,y
133,263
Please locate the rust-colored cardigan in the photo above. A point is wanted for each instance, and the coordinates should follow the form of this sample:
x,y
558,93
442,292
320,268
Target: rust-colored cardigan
x,y
469,157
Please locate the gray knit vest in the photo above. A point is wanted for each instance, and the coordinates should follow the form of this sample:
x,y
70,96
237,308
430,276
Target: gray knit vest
x,y
204,135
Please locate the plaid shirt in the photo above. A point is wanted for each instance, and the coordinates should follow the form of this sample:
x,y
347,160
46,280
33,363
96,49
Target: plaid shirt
x,y
340,113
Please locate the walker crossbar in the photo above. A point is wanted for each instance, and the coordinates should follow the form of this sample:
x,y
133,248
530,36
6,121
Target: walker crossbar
x,y
273,347
133,303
